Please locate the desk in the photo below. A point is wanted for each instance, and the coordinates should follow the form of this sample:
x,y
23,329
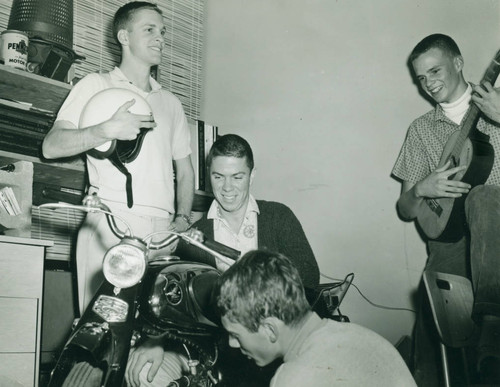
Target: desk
x,y
21,290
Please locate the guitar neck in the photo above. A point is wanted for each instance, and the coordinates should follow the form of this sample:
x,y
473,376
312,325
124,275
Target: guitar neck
x,y
473,114
467,126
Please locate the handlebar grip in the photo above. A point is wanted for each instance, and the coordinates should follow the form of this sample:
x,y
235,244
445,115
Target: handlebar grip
x,y
222,249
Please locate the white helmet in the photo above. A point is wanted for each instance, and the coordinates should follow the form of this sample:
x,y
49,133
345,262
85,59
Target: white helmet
x,y
103,105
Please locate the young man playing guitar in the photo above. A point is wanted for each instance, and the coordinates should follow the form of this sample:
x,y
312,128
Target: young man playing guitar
x,y
468,244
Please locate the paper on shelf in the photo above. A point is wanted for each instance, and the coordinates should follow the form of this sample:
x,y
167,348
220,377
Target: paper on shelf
x,y
9,201
16,104
6,204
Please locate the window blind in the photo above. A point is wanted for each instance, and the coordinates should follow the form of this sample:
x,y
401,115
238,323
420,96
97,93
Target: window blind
x,y
180,71
60,226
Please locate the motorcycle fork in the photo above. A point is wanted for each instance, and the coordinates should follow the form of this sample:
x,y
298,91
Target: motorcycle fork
x,y
101,337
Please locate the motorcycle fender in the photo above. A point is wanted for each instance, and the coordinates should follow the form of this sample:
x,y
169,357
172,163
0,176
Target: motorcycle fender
x,y
93,339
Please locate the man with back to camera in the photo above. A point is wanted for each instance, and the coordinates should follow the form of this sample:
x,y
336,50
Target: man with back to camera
x,y
239,221
437,65
263,307
138,27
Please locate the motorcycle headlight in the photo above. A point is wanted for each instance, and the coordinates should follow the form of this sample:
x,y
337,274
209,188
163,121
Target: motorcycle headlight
x,y
125,264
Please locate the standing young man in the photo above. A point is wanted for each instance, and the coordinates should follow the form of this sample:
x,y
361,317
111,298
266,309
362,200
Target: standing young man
x,y
139,29
264,309
437,65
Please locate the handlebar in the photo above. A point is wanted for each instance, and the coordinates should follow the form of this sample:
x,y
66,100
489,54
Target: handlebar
x,y
92,203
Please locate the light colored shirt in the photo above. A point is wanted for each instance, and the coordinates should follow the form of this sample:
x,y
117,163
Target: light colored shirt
x,y
456,110
425,142
246,239
328,353
152,170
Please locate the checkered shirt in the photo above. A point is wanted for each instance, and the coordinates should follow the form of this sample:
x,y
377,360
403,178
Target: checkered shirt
x,y
425,141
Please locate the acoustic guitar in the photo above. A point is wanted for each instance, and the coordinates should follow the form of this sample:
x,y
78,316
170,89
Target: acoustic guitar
x,y
443,219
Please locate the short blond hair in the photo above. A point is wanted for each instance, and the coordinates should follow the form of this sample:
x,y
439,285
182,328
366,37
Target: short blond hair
x,y
262,284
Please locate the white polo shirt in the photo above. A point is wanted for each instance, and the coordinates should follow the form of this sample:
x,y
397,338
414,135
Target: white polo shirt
x,y
152,170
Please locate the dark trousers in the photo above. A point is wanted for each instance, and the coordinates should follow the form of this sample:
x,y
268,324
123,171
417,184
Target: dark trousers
x,y
483,217
476,257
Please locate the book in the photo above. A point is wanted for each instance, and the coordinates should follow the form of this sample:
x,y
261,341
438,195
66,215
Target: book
x,y
9,137
22,132
9,122
16,104
193,129
203,136
11,197
25,146
210,138
201,156
6,204
34,118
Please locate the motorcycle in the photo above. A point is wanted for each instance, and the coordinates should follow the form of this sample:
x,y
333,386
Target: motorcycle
x,y
165,299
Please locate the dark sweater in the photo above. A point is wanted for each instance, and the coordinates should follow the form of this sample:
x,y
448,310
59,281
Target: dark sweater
x,y
279,230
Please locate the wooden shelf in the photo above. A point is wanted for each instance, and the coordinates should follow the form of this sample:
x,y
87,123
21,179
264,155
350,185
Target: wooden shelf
x,y
49,94
68,174
25,241
42,92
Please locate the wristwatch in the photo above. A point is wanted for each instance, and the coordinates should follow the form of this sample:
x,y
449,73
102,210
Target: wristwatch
x,y
186,218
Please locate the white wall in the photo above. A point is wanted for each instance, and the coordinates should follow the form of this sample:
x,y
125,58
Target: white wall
x,y
321,90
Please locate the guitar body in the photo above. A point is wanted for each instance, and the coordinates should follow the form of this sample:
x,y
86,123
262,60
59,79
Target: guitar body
x,y
444,219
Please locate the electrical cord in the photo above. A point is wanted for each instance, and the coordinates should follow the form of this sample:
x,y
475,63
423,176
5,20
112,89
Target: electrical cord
x,y
366,299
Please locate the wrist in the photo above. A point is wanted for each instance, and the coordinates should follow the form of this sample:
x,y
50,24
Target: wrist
x,y
416,191
184,217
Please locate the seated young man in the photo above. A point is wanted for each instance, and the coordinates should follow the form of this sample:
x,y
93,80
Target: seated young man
x,y
263,307
237,220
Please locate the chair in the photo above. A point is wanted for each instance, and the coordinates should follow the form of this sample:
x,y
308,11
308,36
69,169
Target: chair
x,y
451,300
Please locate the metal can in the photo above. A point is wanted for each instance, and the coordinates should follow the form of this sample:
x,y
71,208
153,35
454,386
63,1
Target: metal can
x,y
14,49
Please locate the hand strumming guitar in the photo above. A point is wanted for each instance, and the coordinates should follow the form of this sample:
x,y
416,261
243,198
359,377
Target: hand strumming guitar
x,y
438,185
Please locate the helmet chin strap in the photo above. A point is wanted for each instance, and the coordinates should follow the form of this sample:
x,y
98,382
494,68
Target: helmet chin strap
x,y
115,160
